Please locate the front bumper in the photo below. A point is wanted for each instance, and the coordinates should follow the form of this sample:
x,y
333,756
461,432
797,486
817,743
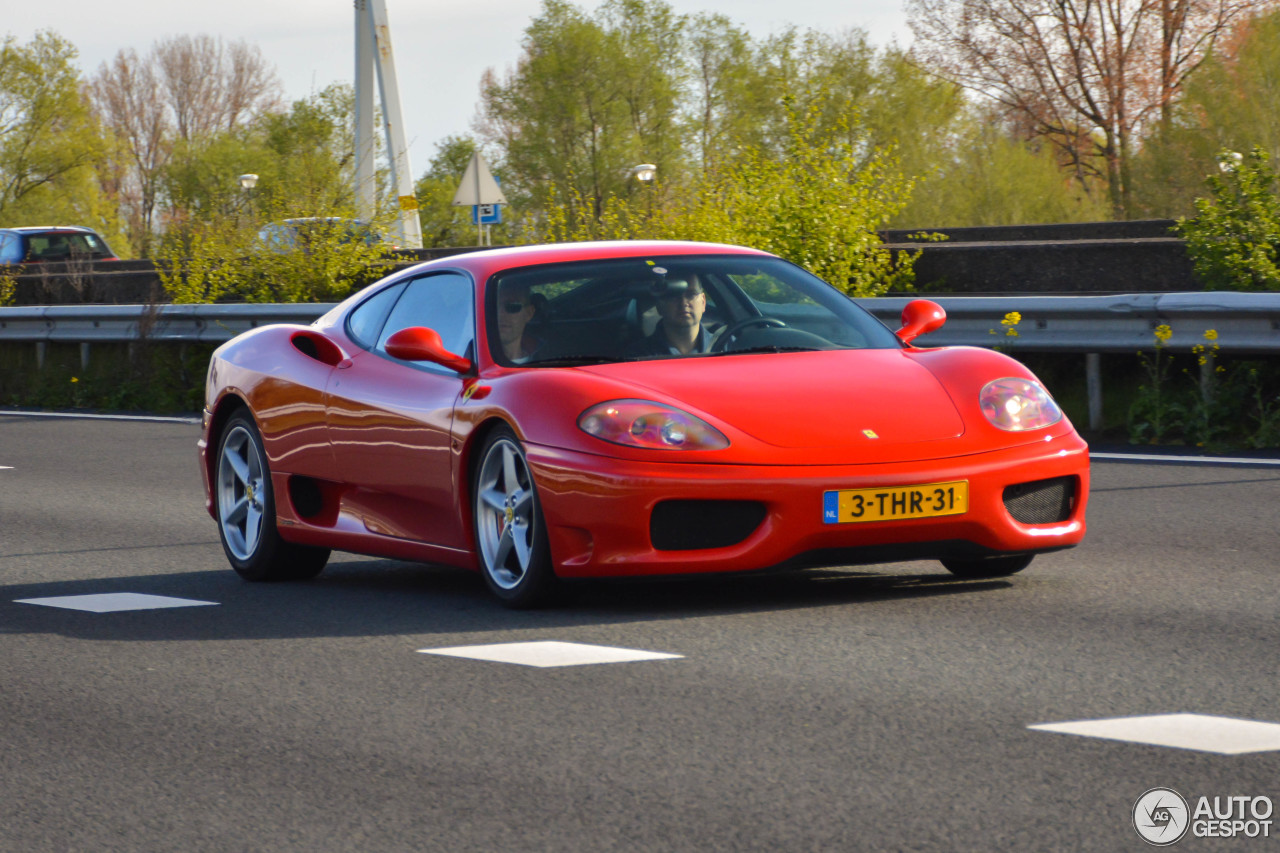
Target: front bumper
x,y
598,510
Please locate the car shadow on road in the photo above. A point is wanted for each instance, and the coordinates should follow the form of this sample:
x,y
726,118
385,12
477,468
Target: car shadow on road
x,y
369,598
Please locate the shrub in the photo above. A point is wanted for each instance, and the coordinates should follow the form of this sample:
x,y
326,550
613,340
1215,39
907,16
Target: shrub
x,y
1233,240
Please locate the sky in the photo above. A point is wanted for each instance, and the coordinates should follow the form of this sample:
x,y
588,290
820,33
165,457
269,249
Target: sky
x,y
441,48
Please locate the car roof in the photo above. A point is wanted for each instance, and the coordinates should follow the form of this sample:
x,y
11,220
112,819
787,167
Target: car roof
x,y
489,261
36,229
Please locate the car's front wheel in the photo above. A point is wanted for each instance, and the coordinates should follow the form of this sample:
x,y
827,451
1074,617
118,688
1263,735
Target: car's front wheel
x,y
246,511
511,535
995,567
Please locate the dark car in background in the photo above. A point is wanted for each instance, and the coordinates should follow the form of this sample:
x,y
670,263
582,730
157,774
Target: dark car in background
x,y
39,244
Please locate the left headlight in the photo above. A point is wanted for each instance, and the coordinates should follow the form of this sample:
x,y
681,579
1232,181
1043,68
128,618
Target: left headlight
x,y
1018,404
642,423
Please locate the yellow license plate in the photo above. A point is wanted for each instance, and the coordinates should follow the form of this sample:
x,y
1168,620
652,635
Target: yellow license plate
x,y
897,503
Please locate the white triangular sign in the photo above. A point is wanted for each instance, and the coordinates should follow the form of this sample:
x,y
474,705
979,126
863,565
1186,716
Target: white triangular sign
x,y
478,185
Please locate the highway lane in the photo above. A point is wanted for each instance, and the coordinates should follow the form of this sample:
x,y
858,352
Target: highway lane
x,y
883,708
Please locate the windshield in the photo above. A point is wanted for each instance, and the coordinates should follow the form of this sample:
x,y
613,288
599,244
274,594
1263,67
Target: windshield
x,y
592,312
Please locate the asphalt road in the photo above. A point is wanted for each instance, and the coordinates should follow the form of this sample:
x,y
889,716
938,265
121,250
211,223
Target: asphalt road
x,y
869,709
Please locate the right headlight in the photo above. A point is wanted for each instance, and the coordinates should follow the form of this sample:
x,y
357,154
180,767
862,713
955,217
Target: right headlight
x,y
1018,404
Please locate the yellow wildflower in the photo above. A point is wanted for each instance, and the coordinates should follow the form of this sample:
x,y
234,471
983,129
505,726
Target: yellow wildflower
x,y
1013,318
1163,333
1211,335
73,379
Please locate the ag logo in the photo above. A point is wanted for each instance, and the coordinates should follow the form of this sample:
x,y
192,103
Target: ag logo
x,y
1161,817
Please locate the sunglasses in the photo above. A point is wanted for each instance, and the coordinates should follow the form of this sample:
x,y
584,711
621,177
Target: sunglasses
x,y
514,307
688,295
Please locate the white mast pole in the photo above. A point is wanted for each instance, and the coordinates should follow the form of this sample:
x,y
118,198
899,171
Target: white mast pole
x,y
393,124
366,195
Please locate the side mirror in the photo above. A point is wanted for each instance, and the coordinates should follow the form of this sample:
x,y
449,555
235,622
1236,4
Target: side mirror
x,y
418,343
920,317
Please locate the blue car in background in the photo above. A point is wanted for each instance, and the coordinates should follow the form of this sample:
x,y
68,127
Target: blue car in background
x,y
44,243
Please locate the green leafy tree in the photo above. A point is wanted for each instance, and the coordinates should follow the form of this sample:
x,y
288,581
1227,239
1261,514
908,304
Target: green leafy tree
x,y
1091,77
819,205
590,97
729,89
303,158
595,94
304,161
1231,102
48,139
1234,238
989,177
75,198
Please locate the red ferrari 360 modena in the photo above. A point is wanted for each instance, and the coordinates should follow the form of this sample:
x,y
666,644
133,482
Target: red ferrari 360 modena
x,y
630,408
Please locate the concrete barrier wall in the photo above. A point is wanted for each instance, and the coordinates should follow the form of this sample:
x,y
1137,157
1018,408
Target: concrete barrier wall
x,y
1087,258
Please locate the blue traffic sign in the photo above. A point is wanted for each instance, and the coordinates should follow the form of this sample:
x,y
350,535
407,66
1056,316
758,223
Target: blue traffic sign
x,y
486,214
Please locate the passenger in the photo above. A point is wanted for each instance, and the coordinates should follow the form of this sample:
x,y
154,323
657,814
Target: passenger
x,y
515,309
681,304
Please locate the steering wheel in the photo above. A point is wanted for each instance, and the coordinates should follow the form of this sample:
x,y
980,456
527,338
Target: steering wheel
x,y
723,340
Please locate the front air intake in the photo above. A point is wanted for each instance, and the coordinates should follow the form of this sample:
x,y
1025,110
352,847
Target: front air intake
x,y
692,525
1041,501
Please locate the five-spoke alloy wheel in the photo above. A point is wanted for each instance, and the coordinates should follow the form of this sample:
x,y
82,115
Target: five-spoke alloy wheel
x,y
247,514
511,536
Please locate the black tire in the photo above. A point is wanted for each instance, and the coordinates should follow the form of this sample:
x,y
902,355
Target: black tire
x,y
994,567
510,532
246,511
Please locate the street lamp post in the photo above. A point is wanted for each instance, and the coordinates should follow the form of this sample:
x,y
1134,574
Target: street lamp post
x,y
247,182
645,173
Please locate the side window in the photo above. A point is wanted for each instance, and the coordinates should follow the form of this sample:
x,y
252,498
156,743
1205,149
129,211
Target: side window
x,y
10,249
443,302
366,321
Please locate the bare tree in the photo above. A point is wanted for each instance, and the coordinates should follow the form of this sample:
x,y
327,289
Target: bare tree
x,y
252,86
187,88
126,96
188,71
1091,76
210,86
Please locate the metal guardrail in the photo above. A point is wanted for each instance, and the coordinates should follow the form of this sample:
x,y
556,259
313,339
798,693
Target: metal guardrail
x,y
1246,323
127,323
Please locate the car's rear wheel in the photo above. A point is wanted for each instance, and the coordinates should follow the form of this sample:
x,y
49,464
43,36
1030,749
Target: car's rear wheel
x,y
511,535
995,567
246,511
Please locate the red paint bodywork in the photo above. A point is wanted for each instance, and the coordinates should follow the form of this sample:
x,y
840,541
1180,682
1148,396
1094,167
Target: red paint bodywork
x,y
390,446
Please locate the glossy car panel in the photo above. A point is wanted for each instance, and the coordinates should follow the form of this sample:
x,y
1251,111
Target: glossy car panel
x,y
374,438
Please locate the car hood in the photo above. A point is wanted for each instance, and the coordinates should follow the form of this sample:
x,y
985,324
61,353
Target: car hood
x,y
806,400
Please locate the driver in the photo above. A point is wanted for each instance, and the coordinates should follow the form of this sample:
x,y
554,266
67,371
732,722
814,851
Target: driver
x,y
681,304
515,309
